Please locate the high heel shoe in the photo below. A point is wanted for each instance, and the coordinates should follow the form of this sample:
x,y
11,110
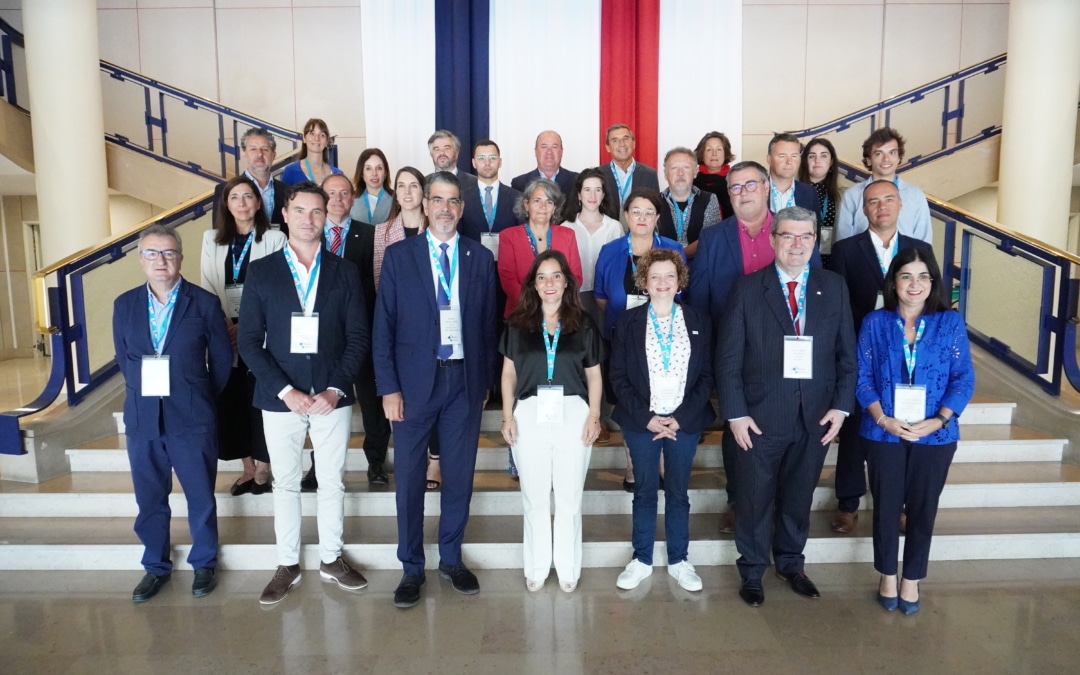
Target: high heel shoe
x,y
890,604
908,607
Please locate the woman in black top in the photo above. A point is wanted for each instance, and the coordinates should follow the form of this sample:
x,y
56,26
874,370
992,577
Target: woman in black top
x,y
818,168
551,413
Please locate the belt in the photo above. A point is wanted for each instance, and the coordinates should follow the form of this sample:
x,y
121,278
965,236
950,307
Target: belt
x,y
450,363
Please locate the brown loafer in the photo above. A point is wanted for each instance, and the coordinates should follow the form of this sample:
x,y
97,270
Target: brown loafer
x,y
604,437
844,522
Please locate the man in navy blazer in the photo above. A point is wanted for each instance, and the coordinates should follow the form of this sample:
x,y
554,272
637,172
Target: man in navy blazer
x,y
434,363
259,149
549,152
786,374
785,153
620,144
483,216
173,350
445,148
862,261
304,333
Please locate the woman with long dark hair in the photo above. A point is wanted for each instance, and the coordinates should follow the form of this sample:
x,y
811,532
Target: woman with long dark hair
x,y
374,194
819,168
314,163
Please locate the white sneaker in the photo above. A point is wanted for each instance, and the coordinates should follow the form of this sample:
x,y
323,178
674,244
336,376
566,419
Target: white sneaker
x,y
684,573
634,574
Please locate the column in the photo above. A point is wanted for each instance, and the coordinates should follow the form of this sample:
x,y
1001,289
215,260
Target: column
x,y
1042,82
68,124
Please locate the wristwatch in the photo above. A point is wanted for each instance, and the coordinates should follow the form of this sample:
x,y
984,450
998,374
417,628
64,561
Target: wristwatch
x,y
944,420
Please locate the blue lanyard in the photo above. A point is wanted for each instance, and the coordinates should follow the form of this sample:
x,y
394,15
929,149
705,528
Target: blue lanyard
x,y
550,345
367,205
800,298
344,233
267,195
532,239
824,208
237,263
158,331
895,250
447,284
322,172
775,197
911,351
630,250
665,343
680,215
302,294
623,188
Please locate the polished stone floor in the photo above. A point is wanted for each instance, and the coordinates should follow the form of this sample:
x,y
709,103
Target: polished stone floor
x,y
977,617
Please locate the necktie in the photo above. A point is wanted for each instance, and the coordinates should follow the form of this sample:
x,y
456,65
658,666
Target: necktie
x,y
793,304
489,211
335,238
445,351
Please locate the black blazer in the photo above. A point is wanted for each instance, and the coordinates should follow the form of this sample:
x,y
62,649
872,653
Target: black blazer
x,y
360,251
565,179
629,372
281,192
473,222
266,314
855,260
644,177
750,353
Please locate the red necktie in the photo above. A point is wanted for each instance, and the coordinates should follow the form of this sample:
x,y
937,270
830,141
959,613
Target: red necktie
x,y
793,304
335,238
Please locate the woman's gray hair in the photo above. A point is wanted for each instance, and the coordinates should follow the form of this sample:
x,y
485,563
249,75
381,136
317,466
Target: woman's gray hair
x,y
551,189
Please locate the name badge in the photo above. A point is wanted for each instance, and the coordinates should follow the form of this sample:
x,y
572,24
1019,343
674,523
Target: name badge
x,y
155,375
450,326
304,338
799,357
232,299
826,240
665,389
549,404
909,403
880,302
490,241
633,301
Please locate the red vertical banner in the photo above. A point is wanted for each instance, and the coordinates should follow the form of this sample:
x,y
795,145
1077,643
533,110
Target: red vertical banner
x,y
629,71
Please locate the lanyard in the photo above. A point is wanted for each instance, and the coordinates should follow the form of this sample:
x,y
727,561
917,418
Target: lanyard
x,y
301,293
775,197
665,343
345,225
911,351
237,263
824,207
489,216
532,239
158,331
266,194
630,250
623,188
801,297
447,284
322,171
680,215
367,205
550,345
895,250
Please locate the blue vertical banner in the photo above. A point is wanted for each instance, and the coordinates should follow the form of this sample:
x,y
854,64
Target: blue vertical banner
x,y
461,72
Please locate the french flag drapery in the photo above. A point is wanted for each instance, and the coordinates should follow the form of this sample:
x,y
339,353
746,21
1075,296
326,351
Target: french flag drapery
x,y
509,69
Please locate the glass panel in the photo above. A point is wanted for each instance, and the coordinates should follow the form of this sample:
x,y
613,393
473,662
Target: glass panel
x,y
920,123
848,143
124,105
984,99
192,134
1003,298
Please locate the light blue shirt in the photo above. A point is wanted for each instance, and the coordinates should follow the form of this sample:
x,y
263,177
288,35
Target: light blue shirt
x,y
913,221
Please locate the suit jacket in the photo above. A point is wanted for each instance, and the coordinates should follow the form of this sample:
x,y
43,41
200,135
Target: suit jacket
x,y
467,180
629,372
407,321
200,361
359,212
565,179
516,257
281,191
360,251
805,196
855,260
643,177
214,256
750,353
474,222
264,336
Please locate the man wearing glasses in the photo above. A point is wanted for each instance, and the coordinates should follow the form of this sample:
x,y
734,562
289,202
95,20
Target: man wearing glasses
x,y
174,353
690,210
786,374
489,205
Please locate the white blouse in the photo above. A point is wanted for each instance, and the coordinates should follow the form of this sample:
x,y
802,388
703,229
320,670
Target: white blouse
x,y
589,246
680,358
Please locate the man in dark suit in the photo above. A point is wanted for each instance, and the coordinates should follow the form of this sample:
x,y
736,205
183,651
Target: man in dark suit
x,y
862,261
173,351
489,206
445,148
304,333
785,153
623,173
549,152
786,374
259,149
434,363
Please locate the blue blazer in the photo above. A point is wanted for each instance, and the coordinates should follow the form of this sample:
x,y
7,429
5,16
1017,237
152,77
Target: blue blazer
x,y
943,364
855,260
806,197
629,372
565,179
407,321
200,361
610,272
473,222
265,329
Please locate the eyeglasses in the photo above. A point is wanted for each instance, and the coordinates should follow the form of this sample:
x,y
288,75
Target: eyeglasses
x,y
151,254
486,158
437,202
637,213
908,278
749,186
802,238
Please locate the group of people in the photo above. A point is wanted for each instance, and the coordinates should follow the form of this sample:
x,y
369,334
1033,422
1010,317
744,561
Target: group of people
x,y
606,299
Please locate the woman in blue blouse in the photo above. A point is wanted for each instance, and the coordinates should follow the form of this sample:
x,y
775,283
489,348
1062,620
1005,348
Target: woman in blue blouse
x,y
915,379
314,163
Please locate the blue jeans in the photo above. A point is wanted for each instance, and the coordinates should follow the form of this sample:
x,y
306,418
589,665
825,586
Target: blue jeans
x,y
678,459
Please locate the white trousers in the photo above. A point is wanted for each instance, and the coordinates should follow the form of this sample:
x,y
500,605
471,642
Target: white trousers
x,y
551,457
285,434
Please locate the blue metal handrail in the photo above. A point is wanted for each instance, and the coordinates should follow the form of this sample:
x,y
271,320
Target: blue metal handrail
x,y
8,37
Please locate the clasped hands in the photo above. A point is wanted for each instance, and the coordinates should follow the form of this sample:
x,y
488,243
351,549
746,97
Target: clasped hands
x,y
319,404
663,427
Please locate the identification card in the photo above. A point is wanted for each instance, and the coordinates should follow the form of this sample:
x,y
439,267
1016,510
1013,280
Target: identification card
x,y
633,301
232,299
665,389
798,357
827,234
549,404
155,376
909,403
490,241
305,334
449,326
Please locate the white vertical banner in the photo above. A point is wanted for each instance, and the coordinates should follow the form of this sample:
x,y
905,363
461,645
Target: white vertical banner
x,y
398,45
545,74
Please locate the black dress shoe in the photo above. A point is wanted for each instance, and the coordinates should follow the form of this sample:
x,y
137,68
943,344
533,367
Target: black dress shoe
x,y
148,587
460,577
376,475
309,483
751,592
407,594
204,583
239,488
801,584
262,488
